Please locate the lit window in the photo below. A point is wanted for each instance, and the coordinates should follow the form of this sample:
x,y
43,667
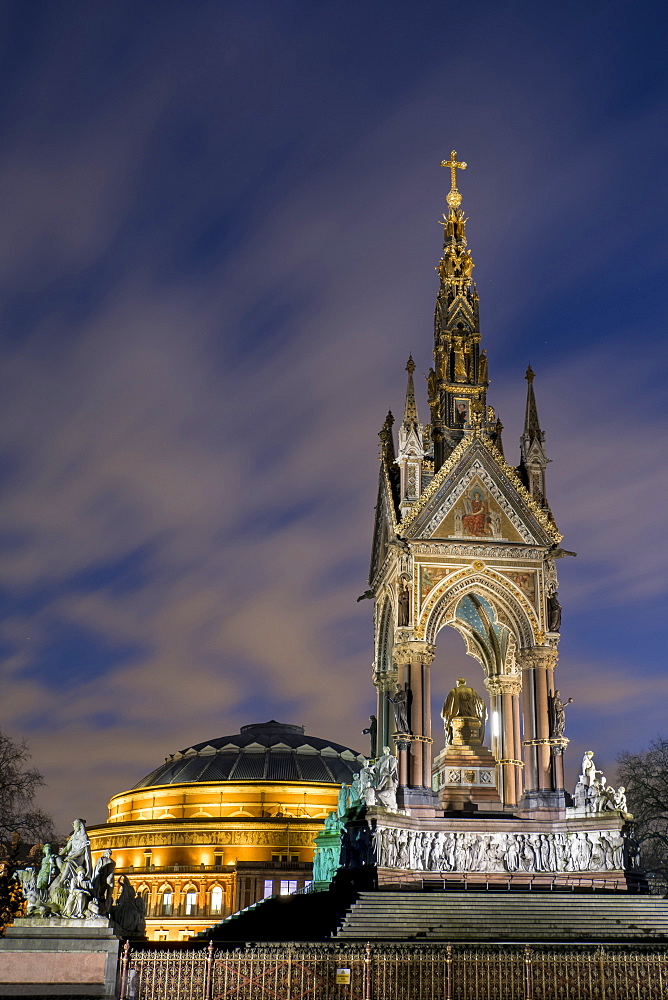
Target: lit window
x,y
191,903
148,859
167,899
288,885
218,857
268,887
216,899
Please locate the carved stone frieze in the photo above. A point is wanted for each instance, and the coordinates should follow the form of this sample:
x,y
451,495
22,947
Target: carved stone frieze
x,y
209,837
470,549
438,851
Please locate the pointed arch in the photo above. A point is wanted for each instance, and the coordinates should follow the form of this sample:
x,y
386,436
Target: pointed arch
x,y
510,605
385,635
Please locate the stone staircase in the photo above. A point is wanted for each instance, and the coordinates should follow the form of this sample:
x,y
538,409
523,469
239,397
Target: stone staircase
x,y
505,916
311,916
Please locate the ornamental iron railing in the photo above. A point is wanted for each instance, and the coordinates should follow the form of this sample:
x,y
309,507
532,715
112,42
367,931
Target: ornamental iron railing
x,y
395,972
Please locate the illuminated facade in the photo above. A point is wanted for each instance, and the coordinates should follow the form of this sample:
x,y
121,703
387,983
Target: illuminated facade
x,y
223,824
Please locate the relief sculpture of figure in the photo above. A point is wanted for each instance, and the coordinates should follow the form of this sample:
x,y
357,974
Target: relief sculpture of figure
x,y
432,386
80,902
620,800
403,605
589,770
552,592
366,784
77,849
482,367
74,855
46,872
372,732
557,714
400,705
103,881
387,779
459,363
553,613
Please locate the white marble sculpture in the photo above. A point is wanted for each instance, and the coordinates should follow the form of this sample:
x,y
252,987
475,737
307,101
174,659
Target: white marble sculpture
x,y
379,781
594,795
65,884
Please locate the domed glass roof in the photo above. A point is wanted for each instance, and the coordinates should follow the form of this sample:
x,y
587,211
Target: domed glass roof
x,y
266,751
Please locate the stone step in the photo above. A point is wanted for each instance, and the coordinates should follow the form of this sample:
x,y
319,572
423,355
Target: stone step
x,y
498,916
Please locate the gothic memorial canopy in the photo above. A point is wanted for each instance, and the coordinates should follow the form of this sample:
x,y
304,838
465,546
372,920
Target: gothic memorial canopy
x,y
463,538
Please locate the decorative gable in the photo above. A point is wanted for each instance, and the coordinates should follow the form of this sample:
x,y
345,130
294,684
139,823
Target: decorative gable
x,y
476,496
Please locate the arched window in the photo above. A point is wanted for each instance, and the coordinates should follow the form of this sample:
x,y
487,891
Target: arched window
x,y
191,903
144,894
167,903
216,900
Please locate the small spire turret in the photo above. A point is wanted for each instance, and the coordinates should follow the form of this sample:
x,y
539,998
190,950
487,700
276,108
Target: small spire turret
x,y
387,440
410,407
533,458
411,449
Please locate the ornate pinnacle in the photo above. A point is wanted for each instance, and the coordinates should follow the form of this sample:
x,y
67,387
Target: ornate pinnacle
x,y
410,406
454,198
530,375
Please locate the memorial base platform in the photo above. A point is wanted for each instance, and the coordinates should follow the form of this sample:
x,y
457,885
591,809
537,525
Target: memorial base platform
x,y
41,956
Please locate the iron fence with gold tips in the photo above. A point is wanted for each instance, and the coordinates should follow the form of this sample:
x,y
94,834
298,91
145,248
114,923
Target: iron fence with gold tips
x,y
396,972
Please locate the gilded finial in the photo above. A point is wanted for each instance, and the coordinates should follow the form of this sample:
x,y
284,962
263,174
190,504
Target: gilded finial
x,y
410,367
529,375
454,198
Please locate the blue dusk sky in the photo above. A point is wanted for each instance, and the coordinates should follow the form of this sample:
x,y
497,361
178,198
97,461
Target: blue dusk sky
x,y
218,234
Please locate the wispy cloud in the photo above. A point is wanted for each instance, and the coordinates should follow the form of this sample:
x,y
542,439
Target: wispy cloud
x,y
210,294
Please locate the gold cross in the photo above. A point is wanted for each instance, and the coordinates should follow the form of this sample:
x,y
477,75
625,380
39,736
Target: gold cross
x,y
454,198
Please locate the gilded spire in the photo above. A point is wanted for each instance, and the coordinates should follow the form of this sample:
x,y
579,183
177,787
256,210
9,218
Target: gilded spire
x,y
410,406
458,381
456,264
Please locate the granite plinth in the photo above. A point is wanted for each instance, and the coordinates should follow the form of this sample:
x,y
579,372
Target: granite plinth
x,y
465,777
53,956
397,847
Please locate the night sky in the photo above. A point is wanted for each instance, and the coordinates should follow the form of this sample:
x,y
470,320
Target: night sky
x,y
218,234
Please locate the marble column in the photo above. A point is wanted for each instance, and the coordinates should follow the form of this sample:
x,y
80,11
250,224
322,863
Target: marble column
x,y
385,682
537,664
413,662
505,690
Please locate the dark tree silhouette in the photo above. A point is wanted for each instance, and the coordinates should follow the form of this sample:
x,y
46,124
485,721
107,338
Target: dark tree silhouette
x,y
645,776
22,824
18,785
